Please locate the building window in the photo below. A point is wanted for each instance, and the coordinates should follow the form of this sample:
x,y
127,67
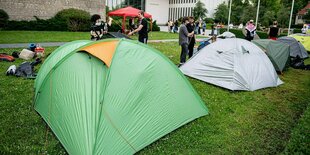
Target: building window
x,y
180,12
186,11
174,12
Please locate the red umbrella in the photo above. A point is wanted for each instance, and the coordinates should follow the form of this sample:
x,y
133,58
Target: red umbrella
x,y
127,12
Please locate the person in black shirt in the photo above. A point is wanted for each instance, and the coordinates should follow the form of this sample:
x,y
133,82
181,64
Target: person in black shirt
x,y
142,29
274,31
190,28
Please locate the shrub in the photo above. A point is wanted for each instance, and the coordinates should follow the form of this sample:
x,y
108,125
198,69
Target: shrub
x,y
4,17
155,26
77,20
209,20
65,20
38,24
115,27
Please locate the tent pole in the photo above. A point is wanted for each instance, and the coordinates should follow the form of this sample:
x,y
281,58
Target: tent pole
x,y
123,25
289,26
257,13
151,24
229,15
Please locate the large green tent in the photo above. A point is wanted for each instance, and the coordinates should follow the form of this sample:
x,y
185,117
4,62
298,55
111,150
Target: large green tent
x,y
277,52
113,97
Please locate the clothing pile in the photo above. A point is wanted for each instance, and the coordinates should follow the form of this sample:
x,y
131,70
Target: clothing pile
x,y
25,69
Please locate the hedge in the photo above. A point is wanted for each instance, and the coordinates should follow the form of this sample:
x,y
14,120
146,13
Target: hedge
x,y
4,17
239,34
65,20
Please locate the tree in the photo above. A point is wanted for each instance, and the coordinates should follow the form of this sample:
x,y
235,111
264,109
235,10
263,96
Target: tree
x,y
200,10
249,12
268,18
236,13
283,16
221,13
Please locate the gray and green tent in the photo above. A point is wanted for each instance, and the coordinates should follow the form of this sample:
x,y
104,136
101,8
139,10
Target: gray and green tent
x,y
296,48
113,97
277,52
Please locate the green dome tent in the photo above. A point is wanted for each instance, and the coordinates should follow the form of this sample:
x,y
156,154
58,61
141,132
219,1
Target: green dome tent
x,y
113,96
277,52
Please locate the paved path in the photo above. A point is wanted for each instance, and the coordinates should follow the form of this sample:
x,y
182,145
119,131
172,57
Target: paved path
x,y
53,44
26,45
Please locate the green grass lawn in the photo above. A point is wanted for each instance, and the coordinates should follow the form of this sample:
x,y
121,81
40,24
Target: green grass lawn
x,y
267,121
7,37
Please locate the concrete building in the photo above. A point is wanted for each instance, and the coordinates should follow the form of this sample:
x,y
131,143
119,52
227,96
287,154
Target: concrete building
x,y
44,9
163,10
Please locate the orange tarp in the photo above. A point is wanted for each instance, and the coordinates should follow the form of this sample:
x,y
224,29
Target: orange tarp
x,y
103,51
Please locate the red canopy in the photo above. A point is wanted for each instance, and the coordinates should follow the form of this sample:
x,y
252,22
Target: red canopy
x,y
128,12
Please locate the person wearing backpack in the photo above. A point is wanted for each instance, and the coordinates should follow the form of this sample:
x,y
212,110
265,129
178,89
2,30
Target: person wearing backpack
x,y
250,31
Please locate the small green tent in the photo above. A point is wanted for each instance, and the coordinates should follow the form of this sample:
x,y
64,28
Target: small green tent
x,y
277,52
113,97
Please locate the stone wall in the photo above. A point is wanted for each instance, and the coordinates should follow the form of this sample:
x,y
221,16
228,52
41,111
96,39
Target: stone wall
x,y
44,9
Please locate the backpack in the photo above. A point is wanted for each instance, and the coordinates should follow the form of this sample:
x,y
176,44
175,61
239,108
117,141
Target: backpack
x,y
298,63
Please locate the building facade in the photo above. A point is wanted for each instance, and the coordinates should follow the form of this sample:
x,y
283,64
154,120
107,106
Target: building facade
x,y
164,10
44,9
299,17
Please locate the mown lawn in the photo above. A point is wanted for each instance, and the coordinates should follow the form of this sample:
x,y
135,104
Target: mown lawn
x,y
7,37
268,121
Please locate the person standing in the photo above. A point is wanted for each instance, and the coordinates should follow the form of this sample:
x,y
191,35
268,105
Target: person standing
x,y
212,29
274,31
204,26
142,28
191,28
183,40
199,26
250,31
98,28
168,24
131,24
304,29
176,26
171,26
